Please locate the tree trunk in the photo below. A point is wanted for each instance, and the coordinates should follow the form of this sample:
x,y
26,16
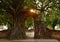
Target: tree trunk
x,y
39,30
18,29
18,26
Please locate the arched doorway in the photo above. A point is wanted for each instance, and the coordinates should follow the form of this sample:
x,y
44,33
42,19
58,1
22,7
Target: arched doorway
x,y
29,23
38,28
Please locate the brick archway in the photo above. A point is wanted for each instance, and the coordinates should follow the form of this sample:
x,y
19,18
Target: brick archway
x,y
30,14
27,15
37,29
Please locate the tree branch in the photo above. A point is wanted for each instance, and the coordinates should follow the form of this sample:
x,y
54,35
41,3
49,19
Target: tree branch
x,y
19,6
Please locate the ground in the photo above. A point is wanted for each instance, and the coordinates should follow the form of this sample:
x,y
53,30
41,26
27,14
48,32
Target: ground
x,y
30,40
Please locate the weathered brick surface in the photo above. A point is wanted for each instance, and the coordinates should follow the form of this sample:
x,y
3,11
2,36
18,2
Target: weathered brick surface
x,y
3,34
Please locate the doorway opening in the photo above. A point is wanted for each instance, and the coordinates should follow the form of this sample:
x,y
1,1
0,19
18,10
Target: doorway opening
x,y
29,25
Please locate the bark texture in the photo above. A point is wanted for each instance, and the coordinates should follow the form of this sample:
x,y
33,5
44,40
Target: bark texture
x,y
18,27
39,29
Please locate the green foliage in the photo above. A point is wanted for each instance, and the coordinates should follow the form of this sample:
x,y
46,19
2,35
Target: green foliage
x,y
30,3
41,5
6,18
10,3
7,10
29,22
52,17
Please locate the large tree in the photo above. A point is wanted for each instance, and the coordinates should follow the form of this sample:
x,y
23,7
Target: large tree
x,y
15,8
44,7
